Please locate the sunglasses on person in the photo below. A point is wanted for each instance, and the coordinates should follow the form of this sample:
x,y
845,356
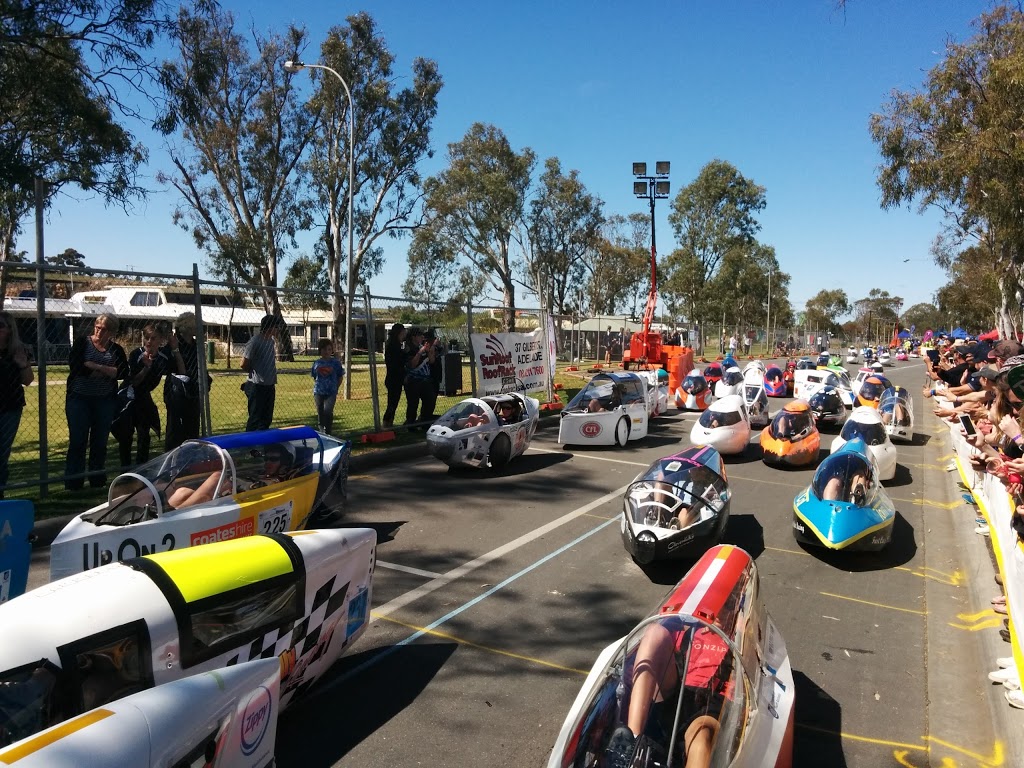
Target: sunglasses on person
x,y
273,458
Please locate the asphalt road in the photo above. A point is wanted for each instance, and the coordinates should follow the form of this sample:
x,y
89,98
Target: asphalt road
x,y
495,592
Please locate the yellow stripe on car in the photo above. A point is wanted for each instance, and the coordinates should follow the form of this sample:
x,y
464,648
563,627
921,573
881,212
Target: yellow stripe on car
x,y
45,739
199,572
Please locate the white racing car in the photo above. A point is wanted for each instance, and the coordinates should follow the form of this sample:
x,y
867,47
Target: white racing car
x,y
612,409
96,637
896,409
866,423
488,430
725,426
731,383
755,396
657,388
208,490
807,382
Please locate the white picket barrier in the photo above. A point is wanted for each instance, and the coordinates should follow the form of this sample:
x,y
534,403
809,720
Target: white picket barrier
x,y
996,506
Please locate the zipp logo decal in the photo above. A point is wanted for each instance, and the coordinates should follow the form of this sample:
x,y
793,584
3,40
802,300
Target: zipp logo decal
x,y
590,429
255,720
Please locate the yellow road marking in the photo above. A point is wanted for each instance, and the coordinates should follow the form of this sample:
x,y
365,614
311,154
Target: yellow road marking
x,y
946,457
930,503
599,517
972,617
489,649
987,624
902,749
954,579
877,605
866,739
923,466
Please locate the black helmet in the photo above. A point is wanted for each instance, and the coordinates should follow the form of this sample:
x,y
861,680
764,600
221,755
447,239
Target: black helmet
x,y
826,401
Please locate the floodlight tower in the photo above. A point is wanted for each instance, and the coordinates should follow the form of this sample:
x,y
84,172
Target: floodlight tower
x,y
645,347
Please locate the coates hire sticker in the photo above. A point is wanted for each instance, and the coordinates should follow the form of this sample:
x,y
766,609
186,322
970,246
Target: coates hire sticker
x,y
235,530
256,719
590,429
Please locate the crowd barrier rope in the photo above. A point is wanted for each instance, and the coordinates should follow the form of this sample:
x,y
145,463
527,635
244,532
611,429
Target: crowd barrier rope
x,y
997,507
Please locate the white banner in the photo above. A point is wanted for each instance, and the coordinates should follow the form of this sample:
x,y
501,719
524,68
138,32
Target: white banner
x,y
510,362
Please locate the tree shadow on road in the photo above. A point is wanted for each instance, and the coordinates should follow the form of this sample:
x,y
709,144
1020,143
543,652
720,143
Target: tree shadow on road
x,y
340,713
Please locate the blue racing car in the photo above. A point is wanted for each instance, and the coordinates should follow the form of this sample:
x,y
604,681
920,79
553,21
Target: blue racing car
x,y
845,506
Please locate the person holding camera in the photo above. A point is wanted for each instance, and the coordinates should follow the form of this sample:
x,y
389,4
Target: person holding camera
x,y
419,384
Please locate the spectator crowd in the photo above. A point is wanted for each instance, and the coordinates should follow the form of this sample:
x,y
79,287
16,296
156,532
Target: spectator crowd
x,y
979,388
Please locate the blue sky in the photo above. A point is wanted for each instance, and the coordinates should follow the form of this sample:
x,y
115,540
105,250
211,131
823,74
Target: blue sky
x,y
783,91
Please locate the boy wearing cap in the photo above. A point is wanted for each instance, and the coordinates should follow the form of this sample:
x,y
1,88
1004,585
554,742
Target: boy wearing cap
x,y
260,361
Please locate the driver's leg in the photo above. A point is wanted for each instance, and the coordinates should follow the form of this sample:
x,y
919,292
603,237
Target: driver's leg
x,y
653,673
698,741
185,497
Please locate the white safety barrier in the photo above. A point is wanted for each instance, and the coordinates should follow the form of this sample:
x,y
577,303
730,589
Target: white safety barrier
x,y
996,505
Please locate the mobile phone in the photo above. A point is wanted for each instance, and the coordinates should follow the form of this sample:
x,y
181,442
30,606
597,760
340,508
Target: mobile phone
x,y
933,355
967,424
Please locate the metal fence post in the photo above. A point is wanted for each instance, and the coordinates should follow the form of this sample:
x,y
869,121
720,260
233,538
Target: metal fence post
x,y
44,463
371,342
469,344
205,423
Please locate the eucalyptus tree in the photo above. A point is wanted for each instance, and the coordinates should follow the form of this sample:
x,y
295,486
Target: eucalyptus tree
x,y
711,217
826,308
476,207
956,145
564,224
392,136
238,130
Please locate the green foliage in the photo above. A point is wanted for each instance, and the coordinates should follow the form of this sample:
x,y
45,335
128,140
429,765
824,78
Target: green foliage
x,y
956,145
826,308
242,131
877,314
923,317
564,227
712,216
392,135
475,209
618,269
972,294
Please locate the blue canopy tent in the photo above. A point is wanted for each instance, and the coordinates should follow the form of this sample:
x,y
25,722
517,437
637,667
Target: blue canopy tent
x,y
959,333
904,334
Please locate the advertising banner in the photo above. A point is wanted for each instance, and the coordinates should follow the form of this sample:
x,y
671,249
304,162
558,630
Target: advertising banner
x,y
510,362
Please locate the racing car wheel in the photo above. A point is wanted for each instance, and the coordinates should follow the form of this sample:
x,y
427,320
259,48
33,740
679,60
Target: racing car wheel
x,y
622,432
501,451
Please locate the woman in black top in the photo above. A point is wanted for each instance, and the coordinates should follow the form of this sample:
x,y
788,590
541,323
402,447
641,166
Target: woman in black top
x,y
15,375
181,392
394,361
97,363
146,366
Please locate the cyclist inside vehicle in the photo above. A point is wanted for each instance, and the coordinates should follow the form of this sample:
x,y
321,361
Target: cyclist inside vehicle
x,y
599,404
660,657
507,412
849,480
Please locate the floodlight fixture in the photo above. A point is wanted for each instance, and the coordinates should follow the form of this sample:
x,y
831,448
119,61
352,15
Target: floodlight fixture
x,y
661,188
639,169
640,188
661,167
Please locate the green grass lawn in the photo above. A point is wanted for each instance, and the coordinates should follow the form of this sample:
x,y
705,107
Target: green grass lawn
x,y
294,405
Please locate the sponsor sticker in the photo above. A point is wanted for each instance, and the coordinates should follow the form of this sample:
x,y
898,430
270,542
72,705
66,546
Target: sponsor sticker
x,y
255,719
799,526
356,613
235,530
590,429
673,466
5,585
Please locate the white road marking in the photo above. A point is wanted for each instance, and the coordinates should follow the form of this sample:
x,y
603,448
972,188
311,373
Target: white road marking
x,y
445,579
592,458
407,569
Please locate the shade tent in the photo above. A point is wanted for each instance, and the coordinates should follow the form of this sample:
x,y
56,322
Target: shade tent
x,y
990,336
904,334
959,333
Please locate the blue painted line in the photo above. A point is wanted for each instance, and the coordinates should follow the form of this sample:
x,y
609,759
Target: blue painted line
x,y
466,606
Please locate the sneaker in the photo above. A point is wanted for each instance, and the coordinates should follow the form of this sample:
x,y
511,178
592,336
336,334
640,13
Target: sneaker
x,y
981,521
1005,662
1005,674
981,530
952,467
1000,608
999,600
1005,634
1015,698
621,746
968,498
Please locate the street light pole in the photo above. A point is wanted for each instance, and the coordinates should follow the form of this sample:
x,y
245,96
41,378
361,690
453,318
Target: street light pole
x,y
652,188
292,67
768,319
